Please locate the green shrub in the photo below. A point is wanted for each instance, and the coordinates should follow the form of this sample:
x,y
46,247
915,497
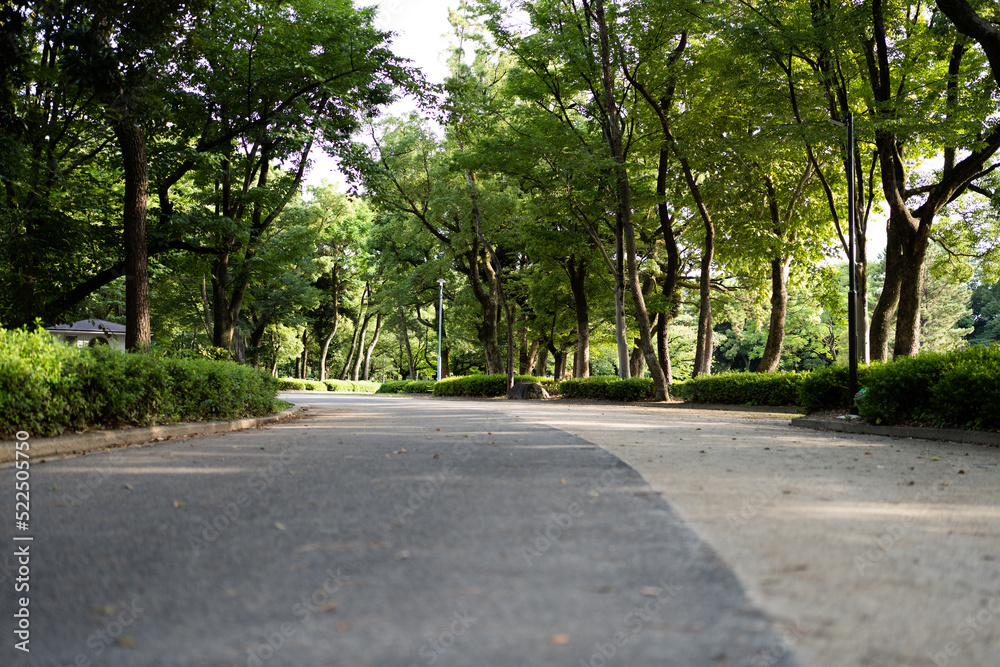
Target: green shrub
x,y
829,388
47,387
968,392
293,384
592,387
742,389
419,387
393,386
901,391
31,379
632,389
352,386
608,388
484,385
955,389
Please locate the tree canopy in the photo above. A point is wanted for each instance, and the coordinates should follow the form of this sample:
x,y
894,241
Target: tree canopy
x,y
600,186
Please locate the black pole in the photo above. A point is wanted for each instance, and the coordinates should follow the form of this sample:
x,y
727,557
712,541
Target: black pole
x,y
852,294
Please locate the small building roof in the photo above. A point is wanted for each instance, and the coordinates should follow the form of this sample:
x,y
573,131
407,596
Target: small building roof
x,y
90,326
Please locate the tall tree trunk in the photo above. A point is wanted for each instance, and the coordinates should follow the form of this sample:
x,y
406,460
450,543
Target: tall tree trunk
x,y
348,362
275,353
621,324
304,367
559,369
885,308
703,352
911,291
371,347
411,366
524,361
624,206
771,358
541,366
578,283
487,331
333,332
663,346
132,142
497,277
637,362
909,230
324,353
359,357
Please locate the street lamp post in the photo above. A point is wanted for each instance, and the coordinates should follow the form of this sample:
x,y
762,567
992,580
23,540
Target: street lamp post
x,y
852,291
440,322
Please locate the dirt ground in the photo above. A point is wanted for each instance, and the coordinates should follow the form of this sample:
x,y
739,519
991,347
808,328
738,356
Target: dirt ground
x,y
865,550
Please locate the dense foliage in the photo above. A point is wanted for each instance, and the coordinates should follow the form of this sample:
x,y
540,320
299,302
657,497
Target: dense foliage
x,y
954,389
638,189
743,389
47,388
488,386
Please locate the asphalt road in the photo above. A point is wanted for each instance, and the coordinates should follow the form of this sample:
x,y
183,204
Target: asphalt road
x,y
373,531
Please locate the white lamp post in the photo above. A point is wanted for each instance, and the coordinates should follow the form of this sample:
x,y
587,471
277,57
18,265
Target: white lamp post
x,y
440,322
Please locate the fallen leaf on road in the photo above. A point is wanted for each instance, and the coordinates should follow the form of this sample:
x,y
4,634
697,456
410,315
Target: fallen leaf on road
x,y
651,591
178,503
107,609
279,525
560,639
562,481
127,642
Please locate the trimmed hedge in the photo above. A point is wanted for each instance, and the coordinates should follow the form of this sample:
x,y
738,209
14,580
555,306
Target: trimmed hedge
x,y
742,389
592,387
954,389
609,388
829,388
294,384
486,385
360,387
406,387
419,387
47,387
393,387
632,389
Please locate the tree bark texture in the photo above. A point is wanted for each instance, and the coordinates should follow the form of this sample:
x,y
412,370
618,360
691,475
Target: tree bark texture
x,y
577,270
624,207
371,347
132,142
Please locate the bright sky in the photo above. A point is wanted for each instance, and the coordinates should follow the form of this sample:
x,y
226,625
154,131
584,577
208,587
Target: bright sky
x,y
422,30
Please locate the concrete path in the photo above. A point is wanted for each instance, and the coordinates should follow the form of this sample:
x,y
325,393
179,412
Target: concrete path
x,y
866,551
374,531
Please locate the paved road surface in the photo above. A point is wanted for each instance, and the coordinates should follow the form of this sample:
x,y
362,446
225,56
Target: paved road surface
x,y
374,531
